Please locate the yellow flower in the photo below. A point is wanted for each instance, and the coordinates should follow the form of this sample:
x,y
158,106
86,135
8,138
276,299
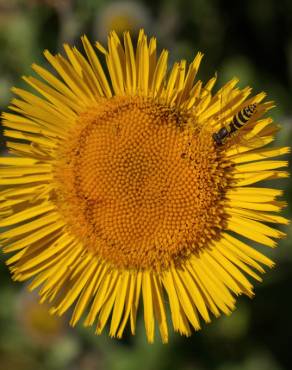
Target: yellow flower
x,y
118,193
121,16
36,322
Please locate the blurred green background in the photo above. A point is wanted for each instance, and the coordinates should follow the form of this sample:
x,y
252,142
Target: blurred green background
x,y
249,39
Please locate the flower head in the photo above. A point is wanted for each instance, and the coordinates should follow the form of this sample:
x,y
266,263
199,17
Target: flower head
x,y
36,322
121,16
118,192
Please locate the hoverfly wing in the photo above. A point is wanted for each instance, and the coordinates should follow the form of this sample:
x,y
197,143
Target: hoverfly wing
x,y
244,134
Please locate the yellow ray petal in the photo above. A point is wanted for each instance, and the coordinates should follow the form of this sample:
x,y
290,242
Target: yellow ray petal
x,y
159,308
220,294
208,295
21,171
159,74
106,310
243,179
238,245
189,80
27,214
259,216
240,255
260,154
85,297
17,161
42,178
123,286
131,76
224,275
152,58
96,67
72,83
148,306
268,207
195,294
105,289
56,84
54,274
65,104
31,238
135,302
242,281
128,303
77,288
179,319
236,259
257,227
185,301
261,166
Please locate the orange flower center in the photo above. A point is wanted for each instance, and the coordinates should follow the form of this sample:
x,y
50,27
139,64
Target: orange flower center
x,y
140,184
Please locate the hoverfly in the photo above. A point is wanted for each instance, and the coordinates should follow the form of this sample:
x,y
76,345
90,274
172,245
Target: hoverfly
x,y
240,118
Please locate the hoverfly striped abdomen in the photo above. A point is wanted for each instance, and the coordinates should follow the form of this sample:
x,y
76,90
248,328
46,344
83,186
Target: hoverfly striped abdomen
x,y
237,122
